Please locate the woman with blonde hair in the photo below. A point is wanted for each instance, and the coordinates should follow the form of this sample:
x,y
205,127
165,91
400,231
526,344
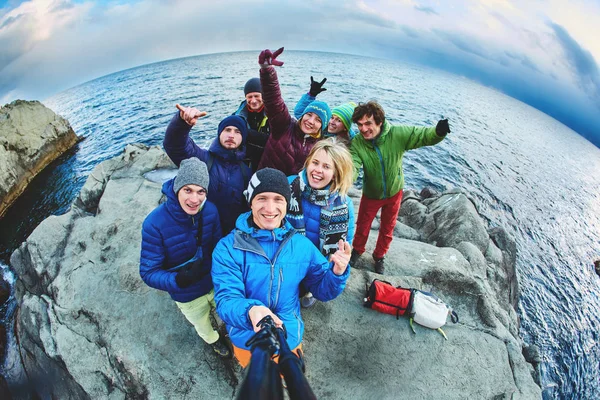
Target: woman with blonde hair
x,y
320,207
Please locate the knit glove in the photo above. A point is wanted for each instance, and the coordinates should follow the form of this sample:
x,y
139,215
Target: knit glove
x,y
190,274
316,87
266,58
442,128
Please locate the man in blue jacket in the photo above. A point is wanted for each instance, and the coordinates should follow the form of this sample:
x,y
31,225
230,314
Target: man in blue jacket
x,y
229,175
178,238
258,267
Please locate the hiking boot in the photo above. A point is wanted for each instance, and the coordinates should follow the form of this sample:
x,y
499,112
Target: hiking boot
x,y
221,349
379,267
308,300
355,256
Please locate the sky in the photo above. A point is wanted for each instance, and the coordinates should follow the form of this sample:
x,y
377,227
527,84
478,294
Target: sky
x,y
545,53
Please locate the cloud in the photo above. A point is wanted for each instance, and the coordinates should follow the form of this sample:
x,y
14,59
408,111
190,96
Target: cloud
x,y
582,62
50,45
426,10
464,43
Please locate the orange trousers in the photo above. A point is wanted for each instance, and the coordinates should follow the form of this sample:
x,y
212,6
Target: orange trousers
x,y
243,356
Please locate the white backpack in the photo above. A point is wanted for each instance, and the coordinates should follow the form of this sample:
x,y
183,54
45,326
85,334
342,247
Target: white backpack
x,y
429,311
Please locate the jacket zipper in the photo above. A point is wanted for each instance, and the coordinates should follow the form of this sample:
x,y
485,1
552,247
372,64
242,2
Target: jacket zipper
x,y
283,242
382,169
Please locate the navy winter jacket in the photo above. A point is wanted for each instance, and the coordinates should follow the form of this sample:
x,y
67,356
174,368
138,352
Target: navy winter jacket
x,y
254,266
169,239
229,176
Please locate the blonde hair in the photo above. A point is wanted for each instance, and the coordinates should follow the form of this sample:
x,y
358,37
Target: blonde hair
x,y
342,163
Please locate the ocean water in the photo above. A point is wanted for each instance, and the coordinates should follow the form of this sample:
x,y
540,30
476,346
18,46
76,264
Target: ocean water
x,y
528,173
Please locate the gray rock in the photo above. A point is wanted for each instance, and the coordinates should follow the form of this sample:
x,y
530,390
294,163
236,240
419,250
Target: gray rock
x,y
508,281
406,232
412,213
31,137
454,219
87,316
474,257
428,192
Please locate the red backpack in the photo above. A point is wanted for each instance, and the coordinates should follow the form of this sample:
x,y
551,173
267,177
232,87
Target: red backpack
x,y
385,298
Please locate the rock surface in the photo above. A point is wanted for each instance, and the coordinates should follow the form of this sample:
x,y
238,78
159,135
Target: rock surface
x,y
31,137
86,315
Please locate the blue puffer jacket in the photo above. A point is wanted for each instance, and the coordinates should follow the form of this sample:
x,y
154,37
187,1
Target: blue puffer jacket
x,y
229,176
244,276
312,216
169,239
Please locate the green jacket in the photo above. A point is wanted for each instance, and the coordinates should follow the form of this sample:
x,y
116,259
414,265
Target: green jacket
x,y
381,158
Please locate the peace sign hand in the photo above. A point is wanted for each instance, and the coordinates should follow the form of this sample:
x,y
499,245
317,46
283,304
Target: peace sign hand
x,y
341,257
266,58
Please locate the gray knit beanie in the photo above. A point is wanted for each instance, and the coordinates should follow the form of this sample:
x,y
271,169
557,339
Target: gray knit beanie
x,y
192,171
268,180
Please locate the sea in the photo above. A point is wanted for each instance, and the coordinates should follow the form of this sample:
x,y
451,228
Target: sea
x,y
527,172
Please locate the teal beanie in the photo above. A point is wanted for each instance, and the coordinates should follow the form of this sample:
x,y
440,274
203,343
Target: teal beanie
x,y
322,110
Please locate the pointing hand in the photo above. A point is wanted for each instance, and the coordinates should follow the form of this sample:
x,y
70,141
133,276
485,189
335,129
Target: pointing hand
x,y
189,114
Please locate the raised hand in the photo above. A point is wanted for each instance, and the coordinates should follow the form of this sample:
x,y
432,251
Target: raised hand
x,y
341,257
257,313
316,87
442,128
190,114
266,58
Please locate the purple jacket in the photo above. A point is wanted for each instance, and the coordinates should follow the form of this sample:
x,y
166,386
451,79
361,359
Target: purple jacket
x,y
287,147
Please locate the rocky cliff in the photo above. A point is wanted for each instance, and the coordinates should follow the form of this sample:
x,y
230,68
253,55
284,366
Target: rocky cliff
x,y
31,137
88,327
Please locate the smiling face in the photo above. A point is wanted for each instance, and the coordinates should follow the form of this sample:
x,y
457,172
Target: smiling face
x,y
336,125
310,124
368,128
254,101
320,170
190,198
230,138
268,210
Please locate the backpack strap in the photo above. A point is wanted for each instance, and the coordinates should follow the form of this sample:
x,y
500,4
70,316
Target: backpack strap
x,y
454,317
243,167
200,229
210,161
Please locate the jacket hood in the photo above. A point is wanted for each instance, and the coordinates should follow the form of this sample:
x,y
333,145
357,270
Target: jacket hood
x,y
172,204
228,155
244,223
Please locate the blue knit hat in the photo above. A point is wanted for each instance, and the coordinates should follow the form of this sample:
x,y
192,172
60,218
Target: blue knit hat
x,y
322,110
238,122
344,112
